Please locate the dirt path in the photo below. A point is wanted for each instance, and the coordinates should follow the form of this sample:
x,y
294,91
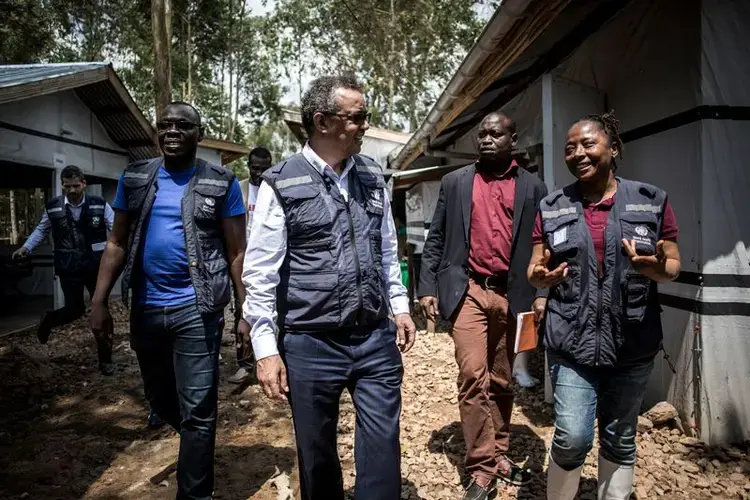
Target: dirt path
x,y
67,432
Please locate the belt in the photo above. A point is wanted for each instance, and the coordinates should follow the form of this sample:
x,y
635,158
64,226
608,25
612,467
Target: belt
x,y
499,280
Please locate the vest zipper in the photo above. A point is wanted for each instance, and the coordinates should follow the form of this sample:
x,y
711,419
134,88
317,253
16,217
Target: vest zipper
x,y
353,239
600,281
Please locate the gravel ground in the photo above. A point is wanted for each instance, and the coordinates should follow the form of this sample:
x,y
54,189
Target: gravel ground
x,y
67,432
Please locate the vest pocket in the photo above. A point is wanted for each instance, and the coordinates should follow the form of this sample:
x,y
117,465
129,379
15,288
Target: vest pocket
x,y
208,201
312,301
373,293
135,192
561,325
641,227
563,238
376,244
636,296
217,279
306,208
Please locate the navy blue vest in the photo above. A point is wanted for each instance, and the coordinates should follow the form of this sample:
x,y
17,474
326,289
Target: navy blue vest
x,y
201,218
332,276
613,317
79,244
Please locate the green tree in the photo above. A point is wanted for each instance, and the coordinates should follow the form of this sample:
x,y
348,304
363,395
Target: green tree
x,y
404,50
27,31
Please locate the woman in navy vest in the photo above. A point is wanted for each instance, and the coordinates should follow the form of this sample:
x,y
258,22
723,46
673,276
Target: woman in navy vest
x,y
601,245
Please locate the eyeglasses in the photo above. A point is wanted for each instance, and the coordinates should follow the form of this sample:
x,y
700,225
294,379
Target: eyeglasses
x,y
356,118
183,125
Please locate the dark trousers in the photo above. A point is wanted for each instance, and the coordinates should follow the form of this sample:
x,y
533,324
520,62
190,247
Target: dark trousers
x,y
368,364
178,353
75,307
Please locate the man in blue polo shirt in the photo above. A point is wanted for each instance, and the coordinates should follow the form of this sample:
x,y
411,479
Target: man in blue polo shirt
x,y
187,237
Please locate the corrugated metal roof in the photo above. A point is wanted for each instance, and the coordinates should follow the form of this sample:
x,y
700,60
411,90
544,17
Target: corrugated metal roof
x,y
24,73
98,87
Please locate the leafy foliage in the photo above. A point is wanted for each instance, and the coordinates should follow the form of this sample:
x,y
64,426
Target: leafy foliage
x,y
236,65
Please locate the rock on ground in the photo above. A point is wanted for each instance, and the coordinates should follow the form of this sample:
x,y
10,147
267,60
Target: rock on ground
x,y
662,413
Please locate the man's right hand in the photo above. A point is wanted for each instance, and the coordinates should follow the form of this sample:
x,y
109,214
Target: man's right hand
x,y
272,377
100,317
21,253
430,306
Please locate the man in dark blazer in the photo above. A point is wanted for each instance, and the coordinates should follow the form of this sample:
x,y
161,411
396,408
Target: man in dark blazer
x,y
474,273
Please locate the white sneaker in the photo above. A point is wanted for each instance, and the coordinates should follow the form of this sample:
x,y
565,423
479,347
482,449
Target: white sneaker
x,y
240,376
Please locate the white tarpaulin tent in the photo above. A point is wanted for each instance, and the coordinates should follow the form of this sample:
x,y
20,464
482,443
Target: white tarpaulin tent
x,y
420,206
676,74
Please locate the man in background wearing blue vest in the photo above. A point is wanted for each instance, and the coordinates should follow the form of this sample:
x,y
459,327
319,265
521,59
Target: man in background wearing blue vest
x,y
188,234
79,225
321,264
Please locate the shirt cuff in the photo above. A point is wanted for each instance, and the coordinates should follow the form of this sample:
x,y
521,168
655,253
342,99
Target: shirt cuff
x,y
400,305
265,346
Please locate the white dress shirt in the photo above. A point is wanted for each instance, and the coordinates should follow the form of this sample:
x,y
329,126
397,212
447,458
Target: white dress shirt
x,y
43,229
266,250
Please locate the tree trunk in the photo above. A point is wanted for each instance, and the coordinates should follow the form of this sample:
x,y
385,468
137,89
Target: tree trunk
x,y
160,25
299,68
238,74
391,67
189,61
411,91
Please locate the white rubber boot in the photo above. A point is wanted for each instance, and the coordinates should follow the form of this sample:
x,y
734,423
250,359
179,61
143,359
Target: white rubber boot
x,y
521,371
615,481
562,484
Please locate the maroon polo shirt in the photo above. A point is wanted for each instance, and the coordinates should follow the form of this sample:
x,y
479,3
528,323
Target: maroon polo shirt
x,y
491,234
596,219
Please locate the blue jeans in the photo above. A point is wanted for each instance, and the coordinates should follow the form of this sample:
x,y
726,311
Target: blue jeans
x,y
368,364
617,394
178,353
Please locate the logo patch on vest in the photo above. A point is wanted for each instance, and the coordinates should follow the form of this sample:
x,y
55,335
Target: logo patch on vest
x,y
95,220
560,236
376,199
641,230
208,205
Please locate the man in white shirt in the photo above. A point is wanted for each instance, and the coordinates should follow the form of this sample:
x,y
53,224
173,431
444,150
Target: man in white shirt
x,y
79,224
258,162
321,263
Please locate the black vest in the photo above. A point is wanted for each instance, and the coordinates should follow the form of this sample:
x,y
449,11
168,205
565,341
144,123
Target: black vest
x,y
611,318
332,276
201,218
78,244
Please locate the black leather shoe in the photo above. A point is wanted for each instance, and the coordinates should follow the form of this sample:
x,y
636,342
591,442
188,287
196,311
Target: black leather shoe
x,y
477,492
107,368
155,421
44,330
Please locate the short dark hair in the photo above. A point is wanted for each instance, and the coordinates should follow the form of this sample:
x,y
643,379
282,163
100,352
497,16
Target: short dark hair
x,y
187,105
507,120
259,152
72,172
320,97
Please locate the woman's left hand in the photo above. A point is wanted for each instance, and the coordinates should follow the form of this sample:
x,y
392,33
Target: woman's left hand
x,y
664,265
638,261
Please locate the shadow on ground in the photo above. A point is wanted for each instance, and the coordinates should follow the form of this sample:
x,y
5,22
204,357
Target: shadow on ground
x,y
525,446
239,473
